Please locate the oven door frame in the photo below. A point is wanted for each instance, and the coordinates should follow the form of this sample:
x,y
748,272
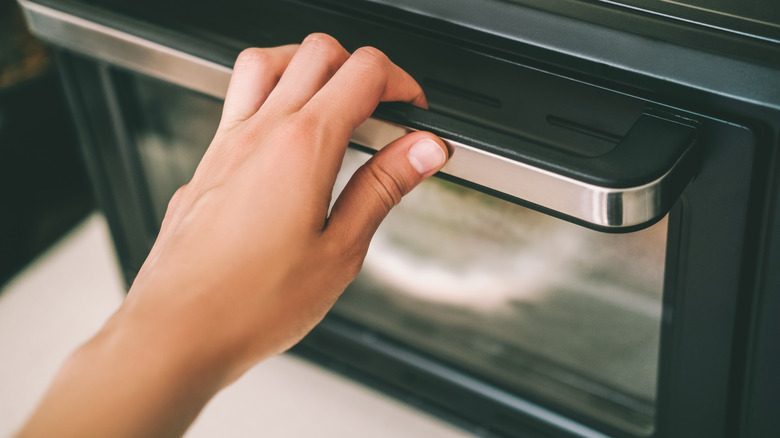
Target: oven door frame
x,y
697,380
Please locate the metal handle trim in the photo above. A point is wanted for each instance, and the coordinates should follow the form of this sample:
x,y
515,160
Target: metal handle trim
x,y
593,205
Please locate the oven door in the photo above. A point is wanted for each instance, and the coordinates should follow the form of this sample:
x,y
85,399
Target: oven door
x,y
569,274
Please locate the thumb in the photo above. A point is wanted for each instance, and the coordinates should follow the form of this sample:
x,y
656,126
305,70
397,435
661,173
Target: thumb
x,y
378,185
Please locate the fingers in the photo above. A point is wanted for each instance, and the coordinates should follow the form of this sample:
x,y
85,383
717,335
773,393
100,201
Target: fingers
x,y
315,62
255,74
366,78
380,183
310,98
345,101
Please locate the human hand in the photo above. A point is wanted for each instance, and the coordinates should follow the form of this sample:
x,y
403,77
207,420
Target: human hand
x,y
247,250
248,259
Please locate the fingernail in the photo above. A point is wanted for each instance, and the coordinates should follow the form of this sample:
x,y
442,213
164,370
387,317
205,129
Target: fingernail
x,y
426,155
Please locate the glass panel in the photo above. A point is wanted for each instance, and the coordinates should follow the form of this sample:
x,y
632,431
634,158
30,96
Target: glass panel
x,y
541,306
538,306
172,128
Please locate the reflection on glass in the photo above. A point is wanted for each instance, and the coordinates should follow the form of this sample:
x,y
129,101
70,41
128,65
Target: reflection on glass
x,y
539,305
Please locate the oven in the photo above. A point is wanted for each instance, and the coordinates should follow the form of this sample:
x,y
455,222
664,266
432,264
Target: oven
x,y
600,257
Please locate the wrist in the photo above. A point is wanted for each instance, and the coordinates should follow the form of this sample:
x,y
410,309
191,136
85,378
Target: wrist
x,y
126,381
167,348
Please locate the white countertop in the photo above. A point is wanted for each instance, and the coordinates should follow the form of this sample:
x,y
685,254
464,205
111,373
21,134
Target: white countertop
x,y
67,293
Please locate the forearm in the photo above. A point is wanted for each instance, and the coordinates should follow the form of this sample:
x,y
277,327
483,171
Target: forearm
x,y
127,382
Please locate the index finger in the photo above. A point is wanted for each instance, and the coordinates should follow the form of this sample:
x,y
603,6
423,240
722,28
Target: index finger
x,y
366,78
255,74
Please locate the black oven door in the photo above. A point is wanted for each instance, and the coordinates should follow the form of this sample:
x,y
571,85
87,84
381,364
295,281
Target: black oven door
x,y
573,272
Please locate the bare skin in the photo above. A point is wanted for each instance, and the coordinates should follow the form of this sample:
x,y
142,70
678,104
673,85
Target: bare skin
x,y
248,259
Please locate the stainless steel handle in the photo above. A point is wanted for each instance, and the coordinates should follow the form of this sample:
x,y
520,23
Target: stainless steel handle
x,y
602,206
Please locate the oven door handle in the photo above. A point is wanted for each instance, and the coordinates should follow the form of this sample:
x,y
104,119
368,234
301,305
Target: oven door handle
x,y
628,188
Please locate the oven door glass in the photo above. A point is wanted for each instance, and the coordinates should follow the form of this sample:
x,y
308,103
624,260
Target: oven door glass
x,y
540,307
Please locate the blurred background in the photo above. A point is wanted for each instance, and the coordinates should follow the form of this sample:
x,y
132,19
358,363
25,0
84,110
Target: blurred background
x,y
43,184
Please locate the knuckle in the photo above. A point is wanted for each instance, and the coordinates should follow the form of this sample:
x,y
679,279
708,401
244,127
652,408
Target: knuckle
x,y
326,47
321,41
180,192
371,57
253,56
176,199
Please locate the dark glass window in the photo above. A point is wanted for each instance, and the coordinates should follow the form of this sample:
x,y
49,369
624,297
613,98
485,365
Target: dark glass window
x,y
536,304
533,304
